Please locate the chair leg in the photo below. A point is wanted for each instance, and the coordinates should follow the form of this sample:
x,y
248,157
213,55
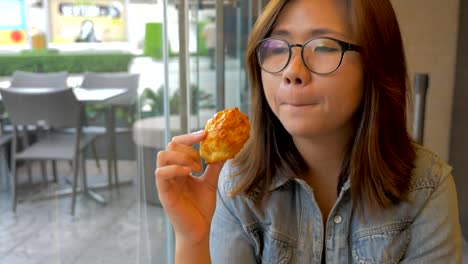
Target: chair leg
x,y
24,137
98,164
83,172
54,170
109,173
29,168
13,169
108,116
114,148
5,166
44,171
75,182
13,185
116,174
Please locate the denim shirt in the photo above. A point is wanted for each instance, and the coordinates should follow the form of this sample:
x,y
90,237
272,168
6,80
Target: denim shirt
x,y
287,226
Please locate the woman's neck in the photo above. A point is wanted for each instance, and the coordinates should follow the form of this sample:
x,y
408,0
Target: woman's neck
x,y
324,155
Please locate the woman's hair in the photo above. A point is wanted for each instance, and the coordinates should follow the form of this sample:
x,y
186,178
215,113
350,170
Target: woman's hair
x,y
380,155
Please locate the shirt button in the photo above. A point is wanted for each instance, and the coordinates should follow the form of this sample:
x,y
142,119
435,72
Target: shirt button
x,y
337,219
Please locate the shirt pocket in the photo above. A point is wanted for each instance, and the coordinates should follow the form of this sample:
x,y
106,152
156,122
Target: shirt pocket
x,y
272,247
382,244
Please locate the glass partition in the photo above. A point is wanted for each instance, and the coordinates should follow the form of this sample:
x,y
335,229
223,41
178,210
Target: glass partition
x,y
187,58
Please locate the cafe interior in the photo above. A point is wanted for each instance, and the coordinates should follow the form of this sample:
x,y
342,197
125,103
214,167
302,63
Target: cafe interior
x,y
91,90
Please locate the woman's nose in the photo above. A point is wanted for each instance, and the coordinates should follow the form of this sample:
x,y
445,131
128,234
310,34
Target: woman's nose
x,y
296,73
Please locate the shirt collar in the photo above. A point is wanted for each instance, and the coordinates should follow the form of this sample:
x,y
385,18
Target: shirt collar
x,y
346,184
280,180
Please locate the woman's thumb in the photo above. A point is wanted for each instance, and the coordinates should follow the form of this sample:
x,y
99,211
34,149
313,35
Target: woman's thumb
x,y
212,172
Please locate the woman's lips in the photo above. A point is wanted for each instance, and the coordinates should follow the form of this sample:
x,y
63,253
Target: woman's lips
x,y
295,104
299,107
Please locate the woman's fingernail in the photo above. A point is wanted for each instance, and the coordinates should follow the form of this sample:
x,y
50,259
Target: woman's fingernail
x,y
199,132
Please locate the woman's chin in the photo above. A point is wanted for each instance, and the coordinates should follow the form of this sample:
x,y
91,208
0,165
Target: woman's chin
x,y
303,130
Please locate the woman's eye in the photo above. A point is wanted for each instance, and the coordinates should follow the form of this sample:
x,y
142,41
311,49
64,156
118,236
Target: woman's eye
x,y
325,49
278,50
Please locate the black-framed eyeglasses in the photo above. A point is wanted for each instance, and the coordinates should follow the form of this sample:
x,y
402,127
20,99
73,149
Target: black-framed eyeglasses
x,y
320,55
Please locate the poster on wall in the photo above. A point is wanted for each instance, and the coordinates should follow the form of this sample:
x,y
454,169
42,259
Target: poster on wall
x,y
85,21
12,22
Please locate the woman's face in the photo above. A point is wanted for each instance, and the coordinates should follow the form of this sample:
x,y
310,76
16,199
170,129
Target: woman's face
x,y
307,104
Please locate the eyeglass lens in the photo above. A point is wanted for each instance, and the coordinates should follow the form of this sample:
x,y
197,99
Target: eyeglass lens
x,y
319,55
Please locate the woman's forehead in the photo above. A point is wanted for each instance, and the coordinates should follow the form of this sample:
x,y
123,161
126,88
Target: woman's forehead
x,y
314,18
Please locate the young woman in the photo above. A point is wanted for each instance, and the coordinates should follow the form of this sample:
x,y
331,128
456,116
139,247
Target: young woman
x,y
329,174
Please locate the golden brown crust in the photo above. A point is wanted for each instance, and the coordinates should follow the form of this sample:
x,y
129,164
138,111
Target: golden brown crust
x,y
228,131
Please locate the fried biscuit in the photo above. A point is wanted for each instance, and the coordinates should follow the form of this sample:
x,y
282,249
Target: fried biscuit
x,y
228,131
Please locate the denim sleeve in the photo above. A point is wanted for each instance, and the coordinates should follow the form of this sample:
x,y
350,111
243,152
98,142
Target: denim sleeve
x,y
436,231
228,241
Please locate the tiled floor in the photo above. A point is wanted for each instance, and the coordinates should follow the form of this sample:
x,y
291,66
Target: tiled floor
x,y
124,231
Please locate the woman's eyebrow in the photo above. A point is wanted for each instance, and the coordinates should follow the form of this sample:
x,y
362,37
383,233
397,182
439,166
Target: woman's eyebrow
x,y
280,33
316,32
325,31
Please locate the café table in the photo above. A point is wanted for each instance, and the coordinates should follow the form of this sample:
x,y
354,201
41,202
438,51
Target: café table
x,y
82,95
91,96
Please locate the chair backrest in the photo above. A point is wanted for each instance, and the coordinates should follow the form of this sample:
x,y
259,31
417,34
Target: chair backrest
x,y
4,139
40,80
110,80
56,108
130,81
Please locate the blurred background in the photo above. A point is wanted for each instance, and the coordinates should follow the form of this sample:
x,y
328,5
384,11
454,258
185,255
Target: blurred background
x,y
143,71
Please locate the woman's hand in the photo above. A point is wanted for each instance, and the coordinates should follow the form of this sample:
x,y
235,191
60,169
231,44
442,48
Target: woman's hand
x,y
189,201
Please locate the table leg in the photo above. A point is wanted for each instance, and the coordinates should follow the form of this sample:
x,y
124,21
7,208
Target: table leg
x,y
93,195
109,147
114,146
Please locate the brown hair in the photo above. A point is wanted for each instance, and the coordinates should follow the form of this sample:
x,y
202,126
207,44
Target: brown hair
x,y
380,155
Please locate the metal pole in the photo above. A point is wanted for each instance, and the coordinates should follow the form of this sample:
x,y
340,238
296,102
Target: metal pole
x,y
197,64
170,242
183,74
187,74
249,16
239,54
421,83
220,64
